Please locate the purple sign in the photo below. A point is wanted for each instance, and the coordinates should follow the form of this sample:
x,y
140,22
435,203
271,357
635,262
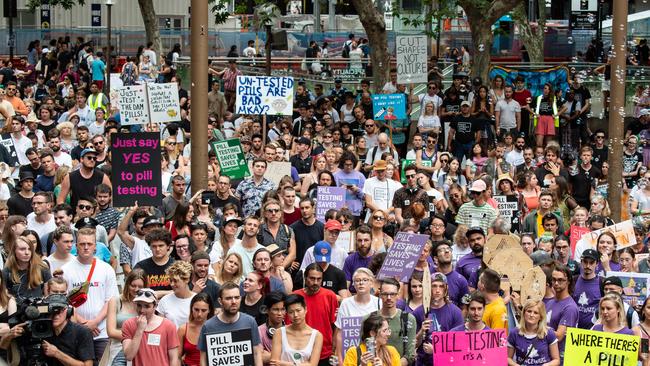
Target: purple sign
x,y
328,198
351,331
402,256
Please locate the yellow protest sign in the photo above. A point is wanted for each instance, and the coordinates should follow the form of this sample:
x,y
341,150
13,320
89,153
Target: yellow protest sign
x,y
590,347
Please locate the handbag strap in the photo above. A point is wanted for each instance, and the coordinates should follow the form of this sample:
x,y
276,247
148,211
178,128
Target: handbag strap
x,y
92,269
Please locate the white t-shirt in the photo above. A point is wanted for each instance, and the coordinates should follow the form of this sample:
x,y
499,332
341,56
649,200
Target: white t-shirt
x,y
217,251
508,110
21,145
103,286
57,263
381,192
515,158
63,159
338,257
350,308
246,256
140,251
41,228
175,309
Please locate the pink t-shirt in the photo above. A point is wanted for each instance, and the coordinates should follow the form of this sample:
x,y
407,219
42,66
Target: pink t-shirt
x,y
153,345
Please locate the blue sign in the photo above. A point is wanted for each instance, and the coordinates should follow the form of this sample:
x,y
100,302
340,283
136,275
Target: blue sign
x,y
388,107
95,15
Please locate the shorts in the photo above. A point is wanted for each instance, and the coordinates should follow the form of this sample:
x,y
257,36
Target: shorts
x,y
605,85
545,126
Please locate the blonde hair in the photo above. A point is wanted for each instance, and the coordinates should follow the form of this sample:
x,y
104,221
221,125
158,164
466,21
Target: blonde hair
x,y
180,269
542,328
61,172
616,299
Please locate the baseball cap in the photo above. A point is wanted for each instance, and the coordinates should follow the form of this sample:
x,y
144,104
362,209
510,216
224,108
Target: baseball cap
x,y
613,280
304,140
478,186
145,295
323,251
86,222
333,225
540,258
465,103
644,112
87,151
379,165
439,277
474,230
338,81
590,254
57,302
230,219
151,220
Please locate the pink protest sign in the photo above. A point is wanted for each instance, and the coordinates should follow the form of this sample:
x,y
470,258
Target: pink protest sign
x,y
576,233
471,348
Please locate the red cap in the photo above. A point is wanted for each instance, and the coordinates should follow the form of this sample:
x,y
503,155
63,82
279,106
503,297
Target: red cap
x,y
333,225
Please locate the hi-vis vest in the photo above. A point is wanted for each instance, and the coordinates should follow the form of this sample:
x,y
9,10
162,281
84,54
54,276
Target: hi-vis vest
x,y
556,118
97,103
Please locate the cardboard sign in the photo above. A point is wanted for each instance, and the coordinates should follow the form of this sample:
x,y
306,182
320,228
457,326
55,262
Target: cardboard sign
x,y
513,263
264,95
346,239
388,107
635,285
411,52
508,207
498,242
136,169
133,105
402,256
231,348
533,286
576,233
351,331
275,170
590,347
623,232
164,104
232,160
329,198
470,348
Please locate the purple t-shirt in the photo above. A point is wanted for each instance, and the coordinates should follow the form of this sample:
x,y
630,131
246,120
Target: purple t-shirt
x,y
353,262
404,306
461,328
615,267
531,351
468,264
562,312
457,287
444,319
586,295
624,330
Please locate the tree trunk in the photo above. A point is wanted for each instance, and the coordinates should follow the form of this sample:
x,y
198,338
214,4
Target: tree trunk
x,y
373,24
533,38
151,25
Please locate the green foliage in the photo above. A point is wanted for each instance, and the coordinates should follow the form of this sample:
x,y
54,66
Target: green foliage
x,y
32,5
219,8
265,14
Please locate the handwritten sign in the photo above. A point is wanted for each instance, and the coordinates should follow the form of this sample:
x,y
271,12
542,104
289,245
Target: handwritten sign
x,y
576,233
232,348
407,162
133,105
346,239
351,331
411,52
264,95
402,256
329,198
231,158
623,232
136,169
635,285
387,107
590,347
164,105
508,207
471,348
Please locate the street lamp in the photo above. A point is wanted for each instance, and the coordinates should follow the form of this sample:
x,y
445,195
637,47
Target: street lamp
x,y
109,5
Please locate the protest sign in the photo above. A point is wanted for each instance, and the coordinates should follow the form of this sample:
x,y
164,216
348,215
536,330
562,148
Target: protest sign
x,y
508,207
407,162
590,347
136,169
346,239
164,104
575,234
470,348
411,52
388,107
133,105
232,160
533,286
402,256
351,329
498,242
264,95
231,348
623,232
635,285
328,198
276,170
511,262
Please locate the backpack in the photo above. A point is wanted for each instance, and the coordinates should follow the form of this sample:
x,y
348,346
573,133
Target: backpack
x,y
170,58
403,333
128,74
346,51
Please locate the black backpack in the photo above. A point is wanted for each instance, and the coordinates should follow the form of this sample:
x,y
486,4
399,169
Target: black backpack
x,y
346,51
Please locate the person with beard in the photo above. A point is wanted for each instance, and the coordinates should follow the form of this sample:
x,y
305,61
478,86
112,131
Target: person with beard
x,y
54,142
262,265
360,258
83,139
45,180
82,182
200,282
587,289
107,216
456,283
516,156
562,310
308,230
441,317
469,264
475,311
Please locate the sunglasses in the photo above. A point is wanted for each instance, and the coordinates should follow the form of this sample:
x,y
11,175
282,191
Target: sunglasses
x,y
378,218
600,137
272,210
171,143
444,161
93,158
431,141
146,293
85,207
410,176
369,126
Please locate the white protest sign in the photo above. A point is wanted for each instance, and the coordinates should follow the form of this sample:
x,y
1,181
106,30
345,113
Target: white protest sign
x,y
233,349
133,105
164,104
264,95
411,52
623,232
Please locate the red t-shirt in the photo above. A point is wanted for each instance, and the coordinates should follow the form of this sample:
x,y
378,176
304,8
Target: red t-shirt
x,y
153,345
321,314
290,218
522,96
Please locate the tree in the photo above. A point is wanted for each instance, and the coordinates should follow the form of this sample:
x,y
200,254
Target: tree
x,y
375,27
533,38
481,15
264,16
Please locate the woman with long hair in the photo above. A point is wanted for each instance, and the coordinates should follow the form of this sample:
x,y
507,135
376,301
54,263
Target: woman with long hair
x,y
612,316
606,247
476,165
318,165
25,272
483,109
204,212
120,309
14,226
256,286
565,202
643,330
181,220
200,235
201,309
297,343
600,184
376,328
533,333
545,113
457,198
66,136
600,206
277,267
627,260
531,192
231,270
429,122
497,91
32,238
325,178
175,306
227,239
361,151
415,294
380,240
452,175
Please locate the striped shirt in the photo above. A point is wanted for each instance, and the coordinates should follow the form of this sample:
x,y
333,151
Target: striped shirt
x,y
230,79
471,215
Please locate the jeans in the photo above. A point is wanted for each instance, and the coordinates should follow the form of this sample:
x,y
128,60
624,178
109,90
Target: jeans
x,y
463,150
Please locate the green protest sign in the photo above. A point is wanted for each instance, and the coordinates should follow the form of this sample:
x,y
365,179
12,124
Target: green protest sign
x,y
407,162
231,158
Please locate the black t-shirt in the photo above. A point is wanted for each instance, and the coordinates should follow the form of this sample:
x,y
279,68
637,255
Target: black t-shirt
x,y
218,203
450,106
582,183
582,94
635,127
19,205
212,289
545,106
306,236
600,155
465,128
157,279
303,166
75,341
334,279
630,162
541,172
254,310
29,168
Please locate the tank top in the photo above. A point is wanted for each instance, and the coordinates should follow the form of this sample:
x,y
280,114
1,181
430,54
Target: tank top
x,y
192,354
82,187
296,356
122,315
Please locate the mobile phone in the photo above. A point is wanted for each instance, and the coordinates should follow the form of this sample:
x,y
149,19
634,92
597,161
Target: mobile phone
x,y
207,197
